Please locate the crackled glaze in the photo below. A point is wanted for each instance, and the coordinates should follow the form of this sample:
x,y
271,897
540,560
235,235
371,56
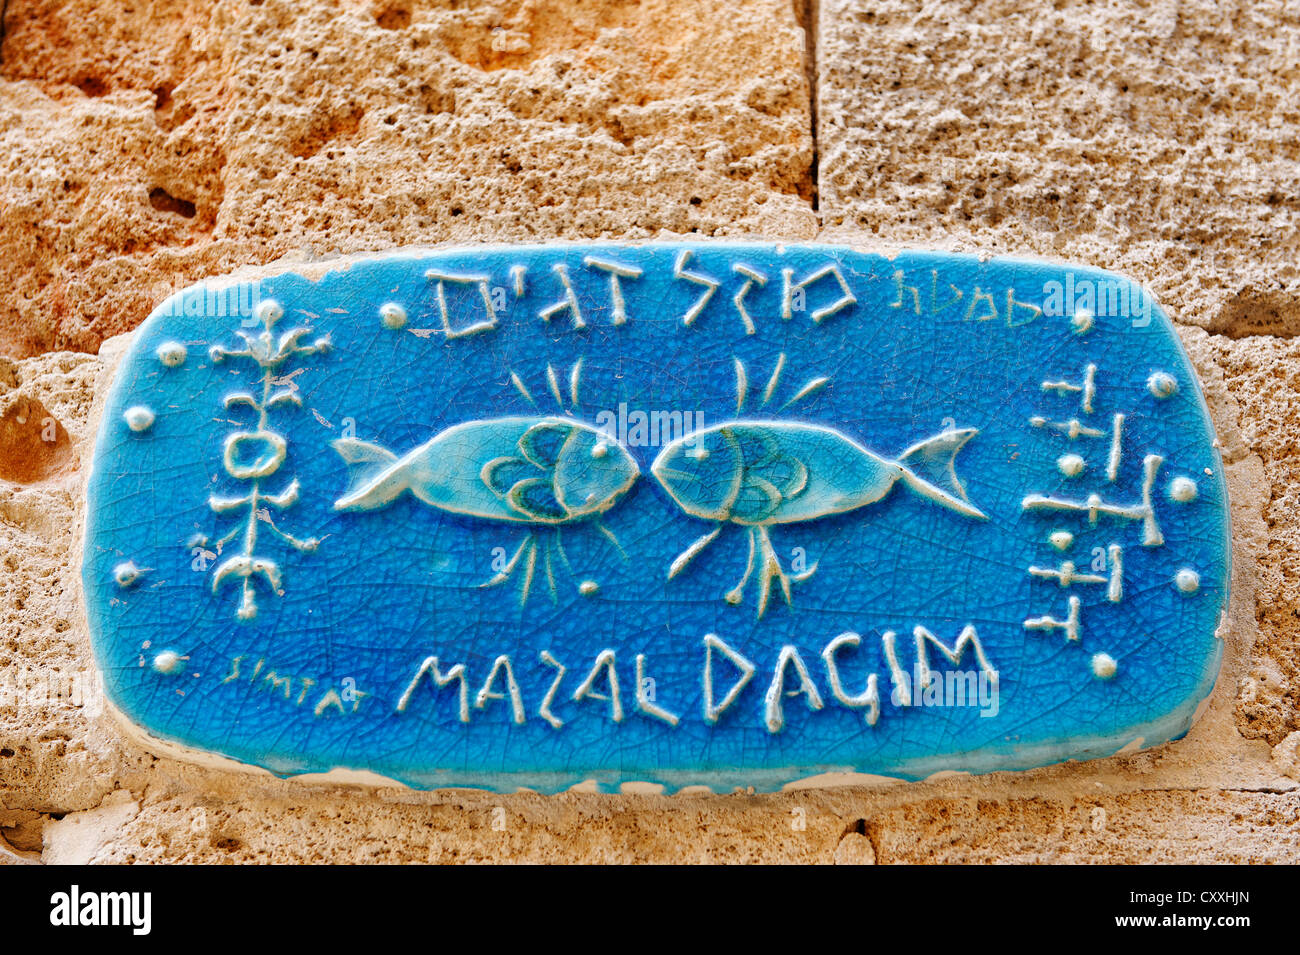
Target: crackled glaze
x,y
542,500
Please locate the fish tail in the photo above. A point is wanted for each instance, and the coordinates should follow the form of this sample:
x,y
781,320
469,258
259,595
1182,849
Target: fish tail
x,y
373,480
930,469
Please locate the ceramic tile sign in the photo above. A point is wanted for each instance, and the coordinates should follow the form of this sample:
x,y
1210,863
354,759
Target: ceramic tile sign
x,y
687,514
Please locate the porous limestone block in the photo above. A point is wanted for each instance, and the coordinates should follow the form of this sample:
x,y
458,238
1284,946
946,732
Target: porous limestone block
x,y
1159,141
146,148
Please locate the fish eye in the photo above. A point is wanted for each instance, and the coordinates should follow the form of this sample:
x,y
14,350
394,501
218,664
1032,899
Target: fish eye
x,y
599,450
699,454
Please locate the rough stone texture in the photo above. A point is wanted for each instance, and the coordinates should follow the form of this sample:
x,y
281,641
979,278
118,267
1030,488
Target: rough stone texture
x,y
1161,143
144,146
1263,375
1158,139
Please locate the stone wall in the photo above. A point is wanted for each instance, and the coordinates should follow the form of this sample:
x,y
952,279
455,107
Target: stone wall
x,y
141,151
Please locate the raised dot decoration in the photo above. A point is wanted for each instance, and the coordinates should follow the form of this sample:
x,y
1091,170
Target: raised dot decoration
x,y
126,574
1187,580
1071,465
1061,540
169,662
138,418
1162,385
172,354
1104,666
392,315
1183,490
1082,320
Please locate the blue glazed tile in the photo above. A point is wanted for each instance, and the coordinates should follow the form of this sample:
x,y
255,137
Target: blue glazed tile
x,y
691,514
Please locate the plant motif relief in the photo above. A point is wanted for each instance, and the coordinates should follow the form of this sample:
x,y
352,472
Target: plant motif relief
x,y
255,455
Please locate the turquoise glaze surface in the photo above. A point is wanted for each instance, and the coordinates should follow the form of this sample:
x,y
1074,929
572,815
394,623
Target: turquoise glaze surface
x,y
707,513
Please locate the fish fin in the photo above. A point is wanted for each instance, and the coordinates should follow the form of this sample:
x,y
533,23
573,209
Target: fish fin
x,y
501,474
542,442
354,451
373,480
930,469
756,501
535,499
